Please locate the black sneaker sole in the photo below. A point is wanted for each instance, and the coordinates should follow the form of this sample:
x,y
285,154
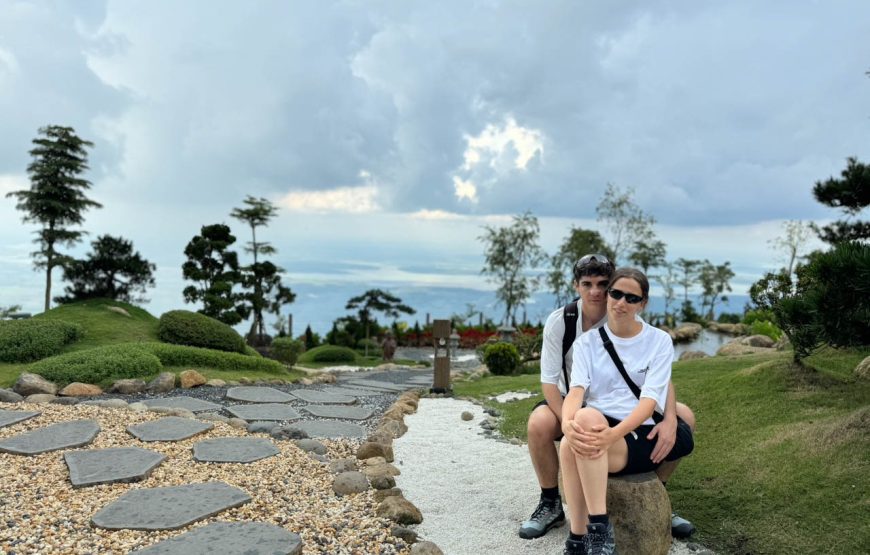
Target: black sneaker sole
x,y
555,524
682,532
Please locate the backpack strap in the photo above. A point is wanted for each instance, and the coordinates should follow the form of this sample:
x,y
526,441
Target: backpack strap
x,y
570,315
611,350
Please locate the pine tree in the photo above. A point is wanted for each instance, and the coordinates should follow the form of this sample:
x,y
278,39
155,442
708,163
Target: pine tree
x,y
113,271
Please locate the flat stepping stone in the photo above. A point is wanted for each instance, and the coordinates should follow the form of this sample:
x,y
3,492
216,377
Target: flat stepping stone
x,y
331,429
230,538
375,384
256,394
336,411
9,417
313,396
107,466
168,508
51,438
266,411
189,403
352,391
171,428
234,450
419,380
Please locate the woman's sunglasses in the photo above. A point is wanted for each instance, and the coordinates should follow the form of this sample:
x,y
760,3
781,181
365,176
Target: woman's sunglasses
x,y
630,298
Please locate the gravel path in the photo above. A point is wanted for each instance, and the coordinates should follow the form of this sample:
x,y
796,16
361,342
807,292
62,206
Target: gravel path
x,y
473,490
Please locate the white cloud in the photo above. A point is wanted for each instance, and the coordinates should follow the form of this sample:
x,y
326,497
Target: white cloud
x,y
464,188
493,143
354,200
12,182
435,215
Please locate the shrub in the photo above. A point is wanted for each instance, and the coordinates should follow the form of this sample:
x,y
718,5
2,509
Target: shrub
x,y
374,349
756,315
287,350
182,327
111,362
329,353
765,327
728,318
502,359
180,355
29,340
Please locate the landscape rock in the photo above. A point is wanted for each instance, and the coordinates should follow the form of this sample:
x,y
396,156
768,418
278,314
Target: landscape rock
x,y
466,415
640,510
30,384
347,483
736,348
382,481
107,403
730,329
128,387
191,378
9,396
260,427
216,382
288,433
319,458
163,383
311,445
693,355
406,534
385,469
686,332
238,423
757,341
211,417
65,401
306,381
862,371
371,449
342,465
325,377
399,510
425,548
380,436
78,389
382,494
395,428
137,407
40,398
782,343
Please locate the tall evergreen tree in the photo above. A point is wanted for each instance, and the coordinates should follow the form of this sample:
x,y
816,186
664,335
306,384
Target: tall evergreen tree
x,y
851,194
56,198
375,300
113,270
215,269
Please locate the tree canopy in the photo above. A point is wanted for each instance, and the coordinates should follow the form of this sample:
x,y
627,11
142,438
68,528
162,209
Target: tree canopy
x,y
215,270
626,224
112,270
577,244
376,300
851,194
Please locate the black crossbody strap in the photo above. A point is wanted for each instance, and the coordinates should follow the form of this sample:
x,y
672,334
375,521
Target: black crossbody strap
x,y
570,315
611,350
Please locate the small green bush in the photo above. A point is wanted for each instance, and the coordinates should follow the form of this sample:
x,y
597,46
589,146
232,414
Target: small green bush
x,y
34,339
99,364
763,327
181,355
373,347
329,353
728,318
502,359
756,315
287,350
182,327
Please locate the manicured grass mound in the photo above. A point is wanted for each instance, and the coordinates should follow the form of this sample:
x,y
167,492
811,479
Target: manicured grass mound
x,y
180,355
328,353
29,340
106,322
98,364
182,327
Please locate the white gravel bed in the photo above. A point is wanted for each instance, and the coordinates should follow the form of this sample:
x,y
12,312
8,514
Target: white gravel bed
x,y
473,491
41,513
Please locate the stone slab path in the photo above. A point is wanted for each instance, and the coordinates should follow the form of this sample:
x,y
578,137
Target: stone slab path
x,y
337,411
171,428
325,397
230,538
264,411
234,450
258,394
182,402
108,466
51,438
9,417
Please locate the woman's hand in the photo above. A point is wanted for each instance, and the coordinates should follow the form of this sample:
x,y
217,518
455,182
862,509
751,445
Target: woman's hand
x,y
600,437
574,433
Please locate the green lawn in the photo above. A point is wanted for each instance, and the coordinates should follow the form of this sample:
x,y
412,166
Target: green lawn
x,y
782,452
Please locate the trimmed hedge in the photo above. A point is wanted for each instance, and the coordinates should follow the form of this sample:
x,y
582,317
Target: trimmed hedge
x,y
98,364
34,339
182,327
181,355
329,353
502,359
287,350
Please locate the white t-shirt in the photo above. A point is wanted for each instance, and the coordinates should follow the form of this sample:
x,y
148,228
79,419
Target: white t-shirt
x,y
647,358
551,351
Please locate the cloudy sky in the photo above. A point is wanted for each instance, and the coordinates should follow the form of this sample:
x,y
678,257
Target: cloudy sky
x,y
390,132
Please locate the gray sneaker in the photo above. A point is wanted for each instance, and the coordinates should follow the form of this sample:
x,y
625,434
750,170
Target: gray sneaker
x,y
680,527
547,515
600,540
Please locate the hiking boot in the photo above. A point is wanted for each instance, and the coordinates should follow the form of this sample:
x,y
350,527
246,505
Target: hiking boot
x,y
599,539
680,527
574,547
547,515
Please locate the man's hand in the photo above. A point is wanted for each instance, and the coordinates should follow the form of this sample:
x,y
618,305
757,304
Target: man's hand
x,y
666,430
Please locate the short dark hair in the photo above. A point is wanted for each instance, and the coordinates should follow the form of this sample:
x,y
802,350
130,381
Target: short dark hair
x,y
593,265
636,275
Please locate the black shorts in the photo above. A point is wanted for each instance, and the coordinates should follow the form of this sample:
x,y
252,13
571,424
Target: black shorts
x,y
640,448
543,403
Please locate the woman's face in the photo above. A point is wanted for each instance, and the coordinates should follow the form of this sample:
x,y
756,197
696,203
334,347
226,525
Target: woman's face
x,y
627,289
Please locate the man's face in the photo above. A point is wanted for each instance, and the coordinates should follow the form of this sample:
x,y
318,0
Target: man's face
x,y
592,291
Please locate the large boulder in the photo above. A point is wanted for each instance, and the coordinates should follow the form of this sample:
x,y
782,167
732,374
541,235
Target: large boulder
x,y
350,482
640,510
128,387
757,341
425,548
736,348
686,332
371,449
163,383
78,389
730,329
31,384
862,371
40,398
191,378
9,396
400,510
693,355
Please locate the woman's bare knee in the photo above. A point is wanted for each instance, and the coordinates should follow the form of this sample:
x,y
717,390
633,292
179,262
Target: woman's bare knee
x,y
588,417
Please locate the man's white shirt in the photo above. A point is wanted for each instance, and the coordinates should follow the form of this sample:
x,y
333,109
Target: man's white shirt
x,y
551,350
